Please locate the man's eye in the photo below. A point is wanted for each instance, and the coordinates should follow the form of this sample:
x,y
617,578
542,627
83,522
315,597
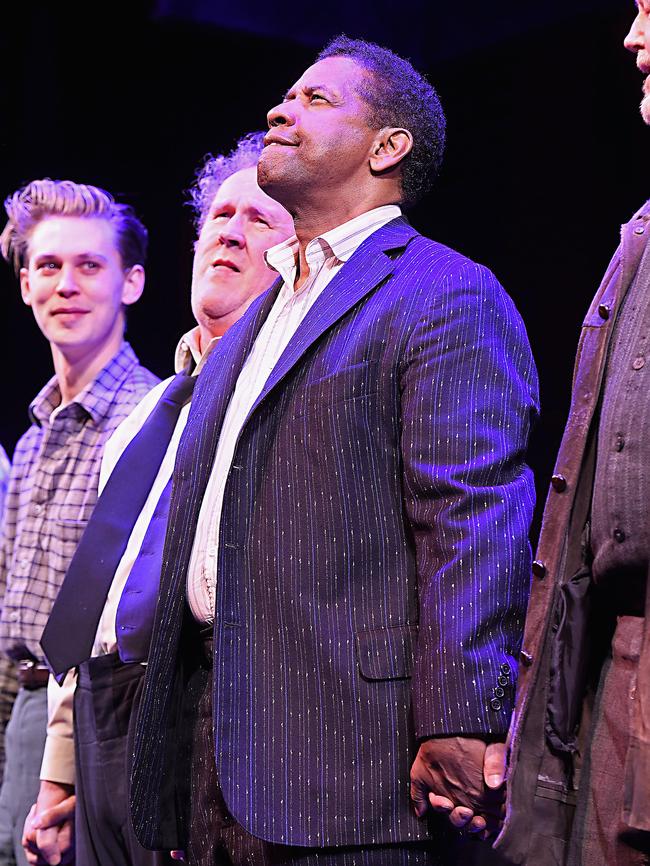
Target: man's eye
x,y
317,96
261,221
220,215
48,266
90,266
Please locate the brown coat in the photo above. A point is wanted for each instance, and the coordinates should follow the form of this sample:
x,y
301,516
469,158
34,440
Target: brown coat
x,y
541,798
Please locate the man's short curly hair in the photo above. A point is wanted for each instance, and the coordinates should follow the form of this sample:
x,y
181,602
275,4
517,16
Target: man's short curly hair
x,y
398,95
216,169
51,198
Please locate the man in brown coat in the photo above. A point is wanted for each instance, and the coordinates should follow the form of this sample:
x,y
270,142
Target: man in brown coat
x,y
579,777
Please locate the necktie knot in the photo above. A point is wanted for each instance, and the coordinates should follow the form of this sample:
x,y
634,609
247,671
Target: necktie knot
x,y
179,390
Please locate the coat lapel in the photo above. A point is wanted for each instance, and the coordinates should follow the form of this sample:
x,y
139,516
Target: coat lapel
x,y
369,266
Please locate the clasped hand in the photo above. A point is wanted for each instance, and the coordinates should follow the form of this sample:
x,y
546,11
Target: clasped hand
x,y
461,777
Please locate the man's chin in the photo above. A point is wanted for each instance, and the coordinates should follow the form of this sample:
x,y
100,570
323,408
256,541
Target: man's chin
x,y
272,172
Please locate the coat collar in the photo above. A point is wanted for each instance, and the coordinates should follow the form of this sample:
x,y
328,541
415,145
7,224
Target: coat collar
x,y
373,263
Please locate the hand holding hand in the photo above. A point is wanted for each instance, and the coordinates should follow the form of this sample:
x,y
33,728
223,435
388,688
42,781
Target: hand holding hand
x,y
48,834
463,778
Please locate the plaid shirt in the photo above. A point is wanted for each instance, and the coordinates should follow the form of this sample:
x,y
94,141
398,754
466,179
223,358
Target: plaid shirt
x,y
52,492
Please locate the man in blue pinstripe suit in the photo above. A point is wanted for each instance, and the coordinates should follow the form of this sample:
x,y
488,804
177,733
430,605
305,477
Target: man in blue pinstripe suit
x,y
346,563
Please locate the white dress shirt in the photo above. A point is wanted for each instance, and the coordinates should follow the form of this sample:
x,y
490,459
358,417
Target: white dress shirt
x,y
325,256
58,758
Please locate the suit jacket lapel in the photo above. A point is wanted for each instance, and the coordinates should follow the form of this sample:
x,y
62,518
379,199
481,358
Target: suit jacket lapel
x,y
369,266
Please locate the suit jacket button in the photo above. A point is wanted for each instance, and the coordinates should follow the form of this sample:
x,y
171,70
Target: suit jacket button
x,y
603,311
505,668
558,483
539,569
498,692
496,704
619,536
503,681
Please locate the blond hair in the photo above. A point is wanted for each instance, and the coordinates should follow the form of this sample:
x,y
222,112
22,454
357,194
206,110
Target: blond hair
x,y
45,198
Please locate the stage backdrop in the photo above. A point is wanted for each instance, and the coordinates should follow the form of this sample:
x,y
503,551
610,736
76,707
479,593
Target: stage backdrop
x,y
545,154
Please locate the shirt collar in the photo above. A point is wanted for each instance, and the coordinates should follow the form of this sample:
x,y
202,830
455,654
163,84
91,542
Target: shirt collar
x,y
188,352
340,242
96,399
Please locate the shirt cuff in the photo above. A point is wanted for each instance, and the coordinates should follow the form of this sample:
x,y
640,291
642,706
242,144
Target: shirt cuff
x,y
58,760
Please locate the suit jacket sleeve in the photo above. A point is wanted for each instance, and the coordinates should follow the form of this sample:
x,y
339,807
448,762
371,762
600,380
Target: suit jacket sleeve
x,y
469,392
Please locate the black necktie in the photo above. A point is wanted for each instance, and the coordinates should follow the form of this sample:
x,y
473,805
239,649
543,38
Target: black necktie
x,y
137,605
69,633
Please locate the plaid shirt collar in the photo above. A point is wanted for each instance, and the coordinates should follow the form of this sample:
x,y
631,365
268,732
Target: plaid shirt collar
x,y
95,399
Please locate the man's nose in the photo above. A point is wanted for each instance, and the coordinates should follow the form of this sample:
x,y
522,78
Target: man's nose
x,y
67,282
231,233
634,39
281,115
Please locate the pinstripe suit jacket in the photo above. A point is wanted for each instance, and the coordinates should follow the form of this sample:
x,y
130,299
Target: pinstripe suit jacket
x,y
373,565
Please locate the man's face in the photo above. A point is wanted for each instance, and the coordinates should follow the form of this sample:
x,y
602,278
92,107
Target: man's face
x,y
229,270
320,139
76,284
638,40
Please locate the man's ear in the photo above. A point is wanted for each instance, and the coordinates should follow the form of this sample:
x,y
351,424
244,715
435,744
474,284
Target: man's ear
x,y
389,148
133,285
25,290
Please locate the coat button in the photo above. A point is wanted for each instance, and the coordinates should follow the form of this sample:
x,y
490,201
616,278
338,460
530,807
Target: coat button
x,y
498,692
638,363
558,482
526,658
603,311
620,443
503,681
619,536
496,704
505,668
539,569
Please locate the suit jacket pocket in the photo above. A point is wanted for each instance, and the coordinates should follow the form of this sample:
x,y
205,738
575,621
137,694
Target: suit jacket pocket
x,y
386,653
347,383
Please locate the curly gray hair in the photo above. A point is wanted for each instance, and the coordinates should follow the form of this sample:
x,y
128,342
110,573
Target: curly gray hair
x,y
216,169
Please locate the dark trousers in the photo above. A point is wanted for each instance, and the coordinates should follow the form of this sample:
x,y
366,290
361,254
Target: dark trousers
x,y
105,707
216,839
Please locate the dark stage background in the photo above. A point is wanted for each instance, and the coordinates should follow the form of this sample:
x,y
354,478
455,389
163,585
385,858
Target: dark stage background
x,y
544,158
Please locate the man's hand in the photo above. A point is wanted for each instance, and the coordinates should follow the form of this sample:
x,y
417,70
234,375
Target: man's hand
x,y
48,834
461,777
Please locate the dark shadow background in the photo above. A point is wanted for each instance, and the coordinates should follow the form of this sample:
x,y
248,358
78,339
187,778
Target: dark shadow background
x,y
545,144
